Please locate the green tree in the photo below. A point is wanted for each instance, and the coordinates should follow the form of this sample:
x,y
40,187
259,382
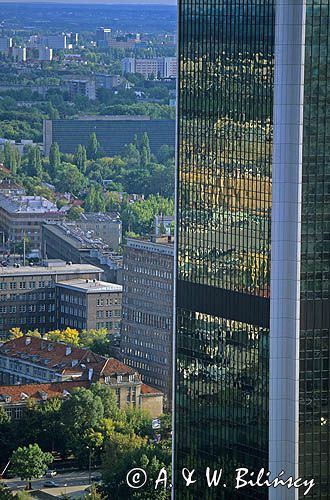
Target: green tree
x,y
70,179
33,161
74,213
54,159
4,417
94,148
145,150
81,158
82,411
109,400
30,462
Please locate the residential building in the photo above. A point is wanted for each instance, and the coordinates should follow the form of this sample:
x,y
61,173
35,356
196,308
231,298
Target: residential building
x,y
18,54
10,188
34,369
103,35
66,240
82,87
147,327
112,132
89,305
128,41
45,54
53,42
252,269
107,81
15,398
29,297
22,216
159,67
5,44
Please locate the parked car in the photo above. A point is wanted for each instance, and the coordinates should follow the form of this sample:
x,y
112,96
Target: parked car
x,y
50,484
51,473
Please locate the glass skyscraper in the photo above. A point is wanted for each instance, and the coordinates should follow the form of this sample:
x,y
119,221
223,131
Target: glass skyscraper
x,y
253,224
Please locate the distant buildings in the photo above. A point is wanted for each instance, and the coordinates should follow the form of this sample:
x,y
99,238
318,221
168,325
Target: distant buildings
x,y
30,297
85,88
41,370
18,54
103,36
159,67
107,81
45,54
65,240
146,335
54,42
112,132
22,216
5,44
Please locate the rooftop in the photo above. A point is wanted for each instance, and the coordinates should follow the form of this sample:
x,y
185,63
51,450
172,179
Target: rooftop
x,y
64,359
91,286
100,217
49,269
39,392
162,245
27,204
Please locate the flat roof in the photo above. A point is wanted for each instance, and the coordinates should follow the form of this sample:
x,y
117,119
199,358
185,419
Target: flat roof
x,y
91,286
44,270
27,204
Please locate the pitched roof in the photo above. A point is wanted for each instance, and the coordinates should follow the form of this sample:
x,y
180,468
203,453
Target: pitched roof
x,y
38,392
148,390
65,359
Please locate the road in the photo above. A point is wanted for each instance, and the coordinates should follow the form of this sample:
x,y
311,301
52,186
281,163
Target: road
x,y
68,482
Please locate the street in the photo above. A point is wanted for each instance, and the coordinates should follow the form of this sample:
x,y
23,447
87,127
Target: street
x,y
73,483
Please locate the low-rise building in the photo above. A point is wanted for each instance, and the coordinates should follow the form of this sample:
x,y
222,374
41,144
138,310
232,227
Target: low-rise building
x,y
22,217
37,369
29,296
147,321
89,304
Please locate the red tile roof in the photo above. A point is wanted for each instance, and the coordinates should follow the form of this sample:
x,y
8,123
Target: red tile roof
x,y
64,359
147,389
18,393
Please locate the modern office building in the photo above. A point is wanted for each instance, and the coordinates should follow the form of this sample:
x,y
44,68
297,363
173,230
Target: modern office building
x,y
252,279
45,54
147,326
112,132
18,54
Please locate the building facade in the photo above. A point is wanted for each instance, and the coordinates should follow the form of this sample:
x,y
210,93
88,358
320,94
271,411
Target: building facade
x,y
67,241
34,369
112,133
89,305
22,217
29,297
253,212
158,67
146,336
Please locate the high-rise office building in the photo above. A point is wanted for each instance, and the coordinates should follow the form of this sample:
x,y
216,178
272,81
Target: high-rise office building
x,y
253,223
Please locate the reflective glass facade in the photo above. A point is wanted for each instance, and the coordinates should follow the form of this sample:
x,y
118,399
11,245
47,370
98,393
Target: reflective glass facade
x,y
223,203
314,428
